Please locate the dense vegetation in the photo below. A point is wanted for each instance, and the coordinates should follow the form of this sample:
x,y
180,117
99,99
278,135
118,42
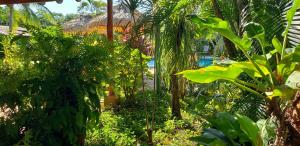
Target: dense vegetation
x,y
53,85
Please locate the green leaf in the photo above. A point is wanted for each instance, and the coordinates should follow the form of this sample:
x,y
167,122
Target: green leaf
x,y
250,69
277,45
211,74
211,135
250,129
292,57
226,123
290,14
282,92
223,28
267,130
254,30
293,80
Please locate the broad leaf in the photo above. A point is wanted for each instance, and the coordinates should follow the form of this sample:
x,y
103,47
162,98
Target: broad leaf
x,y
282,92
267,130
226,123
211,74
211,135
293,80
250,69
255,30
292,57
250,129
223,28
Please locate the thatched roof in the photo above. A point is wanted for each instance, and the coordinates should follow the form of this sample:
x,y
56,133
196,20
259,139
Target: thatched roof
x,y
17,31
77,24
121,18
28,1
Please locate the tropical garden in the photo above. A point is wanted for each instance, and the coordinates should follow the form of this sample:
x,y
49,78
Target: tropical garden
x,y
183,72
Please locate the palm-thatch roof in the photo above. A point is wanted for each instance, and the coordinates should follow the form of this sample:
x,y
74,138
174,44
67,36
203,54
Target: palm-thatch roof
x,y
77,24
4,30
121,18
85,23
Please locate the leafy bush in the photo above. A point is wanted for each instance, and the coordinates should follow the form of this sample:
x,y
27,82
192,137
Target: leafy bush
x,y
49,81
127,70
227,129
113,131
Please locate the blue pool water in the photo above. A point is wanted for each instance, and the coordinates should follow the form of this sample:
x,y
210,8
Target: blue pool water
x,y
151,63
203,62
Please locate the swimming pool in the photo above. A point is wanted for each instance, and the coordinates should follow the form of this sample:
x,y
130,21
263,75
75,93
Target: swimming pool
x,y
203,62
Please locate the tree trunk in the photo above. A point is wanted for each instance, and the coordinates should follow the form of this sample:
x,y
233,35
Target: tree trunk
x,y
288,131
11,13
175,96
157,72
230,47
111,99
110,20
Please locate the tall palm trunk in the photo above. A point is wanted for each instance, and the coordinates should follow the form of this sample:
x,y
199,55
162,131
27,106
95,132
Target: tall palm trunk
x,y
111,99
157,78
174,78
11,13
175,95
110,20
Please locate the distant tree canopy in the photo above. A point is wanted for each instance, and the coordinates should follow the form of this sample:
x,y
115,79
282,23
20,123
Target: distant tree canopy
x,y
3,15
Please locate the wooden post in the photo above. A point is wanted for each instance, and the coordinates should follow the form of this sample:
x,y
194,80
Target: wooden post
x,y
111,99
110,20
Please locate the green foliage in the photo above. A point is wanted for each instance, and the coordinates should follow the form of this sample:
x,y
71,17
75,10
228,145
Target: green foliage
x,y
258,66
227,129
270,77
126,69
92,6
3,15
113,131
50,82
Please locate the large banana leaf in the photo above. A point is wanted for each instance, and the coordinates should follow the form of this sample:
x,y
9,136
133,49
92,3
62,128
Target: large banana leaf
x,y
231,73
212,73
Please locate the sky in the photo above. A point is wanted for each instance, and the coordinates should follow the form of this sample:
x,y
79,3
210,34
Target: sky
x,y
67,7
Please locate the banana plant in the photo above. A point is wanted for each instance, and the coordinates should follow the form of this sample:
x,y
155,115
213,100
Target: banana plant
x,y
276,73
235,130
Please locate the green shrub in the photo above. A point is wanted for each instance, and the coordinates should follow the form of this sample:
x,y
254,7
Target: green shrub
x,y
50,82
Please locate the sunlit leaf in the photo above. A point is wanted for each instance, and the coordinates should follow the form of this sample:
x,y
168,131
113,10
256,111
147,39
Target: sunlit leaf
x,y
293,80
212,73
250,69
277,45
281,91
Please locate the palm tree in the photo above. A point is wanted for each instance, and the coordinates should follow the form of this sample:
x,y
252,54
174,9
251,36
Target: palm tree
x,y
27,14
93,6
176,47
110,20
111,99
